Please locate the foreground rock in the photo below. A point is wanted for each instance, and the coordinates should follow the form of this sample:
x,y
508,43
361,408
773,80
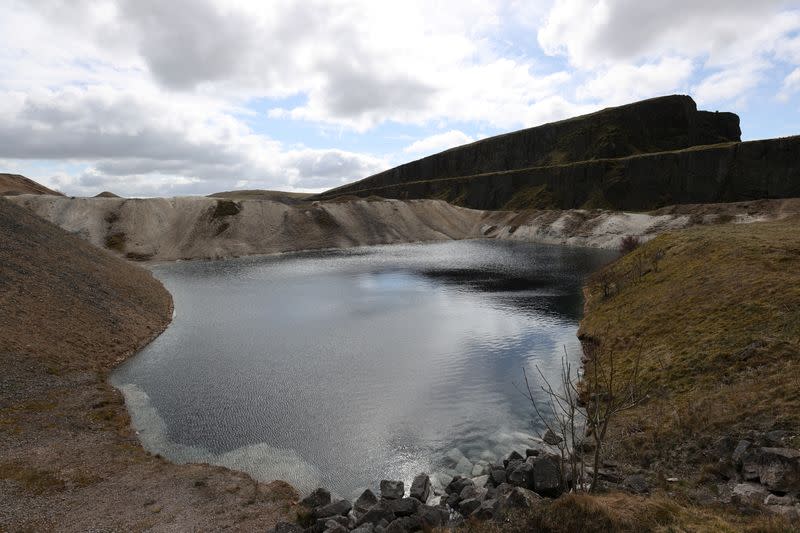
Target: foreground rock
x,y
515,483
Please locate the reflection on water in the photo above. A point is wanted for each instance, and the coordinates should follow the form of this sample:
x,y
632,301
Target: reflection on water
x,y
342,368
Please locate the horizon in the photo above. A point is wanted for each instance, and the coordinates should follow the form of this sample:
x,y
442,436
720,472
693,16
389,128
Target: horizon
x,y
141,99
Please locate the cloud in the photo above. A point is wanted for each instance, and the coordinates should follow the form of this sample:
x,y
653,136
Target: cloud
x,y
729,84
438,142
791,85
144,142
625,83
590,32
176,94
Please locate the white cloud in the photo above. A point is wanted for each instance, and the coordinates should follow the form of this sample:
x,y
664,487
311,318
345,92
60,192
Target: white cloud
x,y
791,85
144,139
626,83
729,84
438,142
591,32
149,95
641,48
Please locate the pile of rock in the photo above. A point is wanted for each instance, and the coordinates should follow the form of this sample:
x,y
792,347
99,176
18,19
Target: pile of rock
x,y
518,482
762,472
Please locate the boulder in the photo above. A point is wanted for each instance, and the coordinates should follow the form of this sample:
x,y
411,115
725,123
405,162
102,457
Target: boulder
x,y
433,517
404,506
468,506
480,481
486,511
458,484
454,456
478,470
779,469
513,457
317,498
521,474
340,508
472,492
546,475
551,438
488,456
405,524
440,480
739,451
421,488
379,511
513,498
364,503
366,528
287,527
530,452
332,526
498,476
464,467
324,524
392,490
777,437
637,484
749,494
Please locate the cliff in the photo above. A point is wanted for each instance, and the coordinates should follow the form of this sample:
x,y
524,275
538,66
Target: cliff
x,y
661,124
728,172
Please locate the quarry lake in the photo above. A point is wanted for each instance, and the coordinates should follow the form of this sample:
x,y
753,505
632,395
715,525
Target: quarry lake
x,y
341,368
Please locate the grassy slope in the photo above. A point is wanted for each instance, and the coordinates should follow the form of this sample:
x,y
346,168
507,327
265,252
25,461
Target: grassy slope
x,y
718,290
718,327
69,461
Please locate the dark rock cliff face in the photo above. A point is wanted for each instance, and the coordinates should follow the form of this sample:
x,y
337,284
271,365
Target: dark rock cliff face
x,y
639,156
657,125
722,173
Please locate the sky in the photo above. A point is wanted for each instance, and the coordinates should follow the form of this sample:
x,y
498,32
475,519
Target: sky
x,y
184,97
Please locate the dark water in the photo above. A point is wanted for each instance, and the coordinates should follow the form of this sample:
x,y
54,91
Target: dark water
x,y
343,368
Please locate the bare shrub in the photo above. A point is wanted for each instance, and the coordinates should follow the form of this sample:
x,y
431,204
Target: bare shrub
x,y
577,409
628,244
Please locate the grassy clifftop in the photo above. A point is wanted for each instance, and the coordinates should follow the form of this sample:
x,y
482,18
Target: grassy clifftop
x,y
717,322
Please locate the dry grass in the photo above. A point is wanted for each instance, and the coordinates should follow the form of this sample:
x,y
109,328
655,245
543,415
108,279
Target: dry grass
x,y
622,513
718,325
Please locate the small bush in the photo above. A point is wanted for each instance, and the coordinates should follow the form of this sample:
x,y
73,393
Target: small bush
x,y
628,244
116,242
225,208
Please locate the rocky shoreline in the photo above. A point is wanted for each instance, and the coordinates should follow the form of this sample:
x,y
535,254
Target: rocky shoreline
x,y
762,472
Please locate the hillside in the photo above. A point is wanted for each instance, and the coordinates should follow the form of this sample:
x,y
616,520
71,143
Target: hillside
x,y
203,228
68,458
291,198
637,157
709,316
12,184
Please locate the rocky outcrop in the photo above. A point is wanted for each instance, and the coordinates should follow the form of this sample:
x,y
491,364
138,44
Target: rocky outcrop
x,y
730,172
656,125
636,157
